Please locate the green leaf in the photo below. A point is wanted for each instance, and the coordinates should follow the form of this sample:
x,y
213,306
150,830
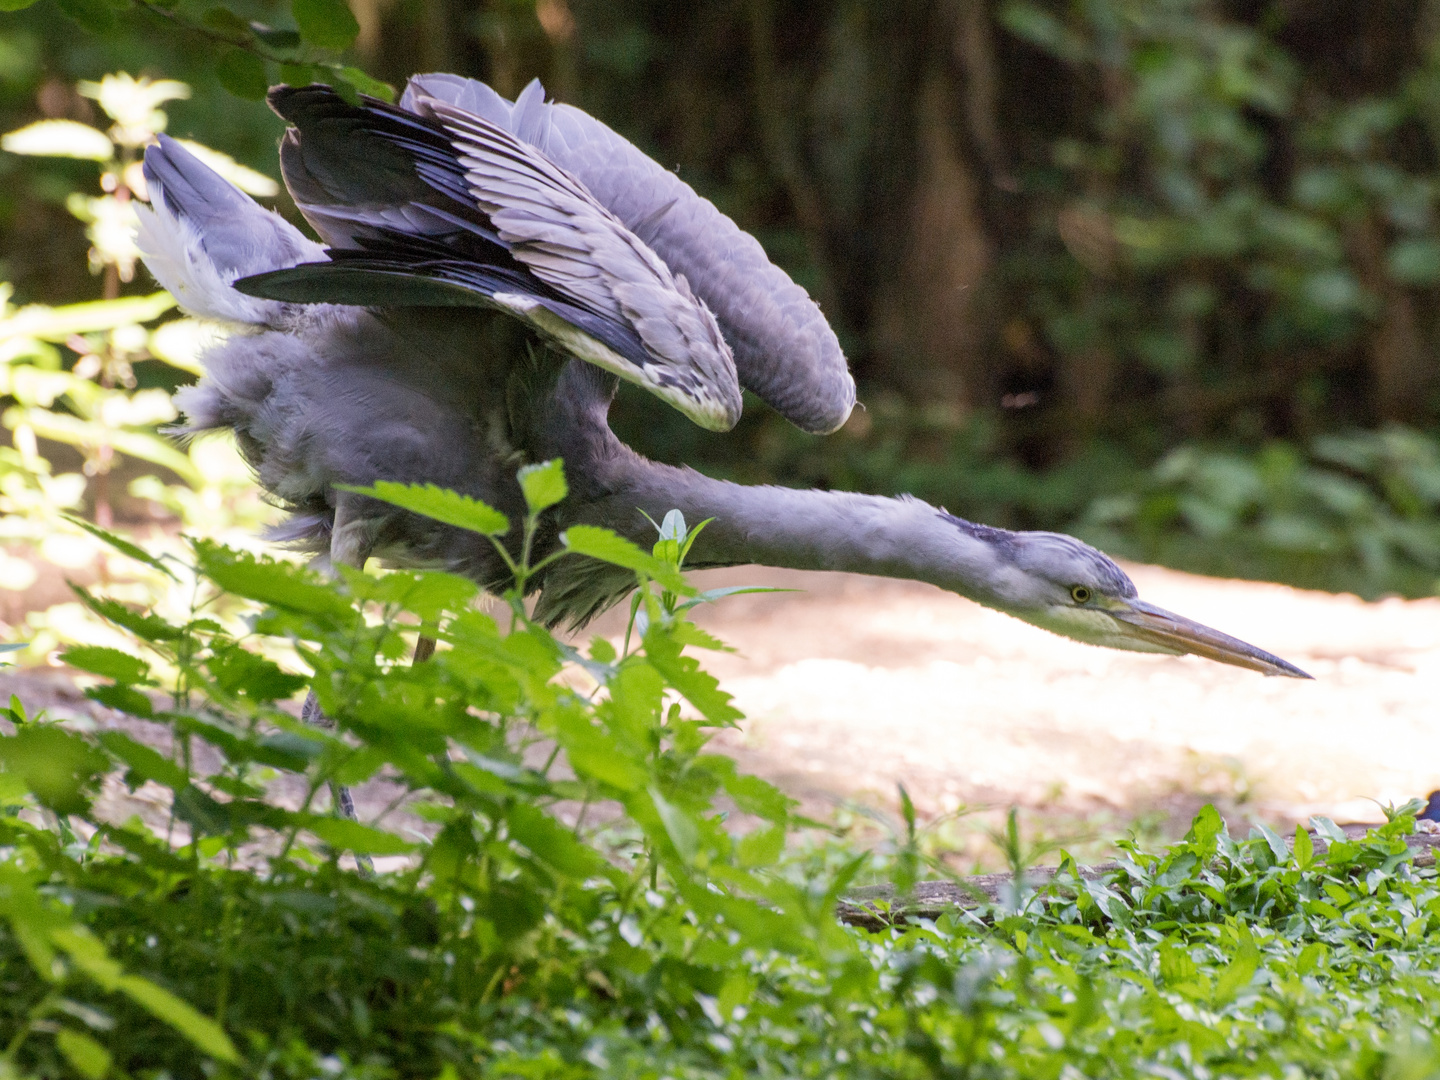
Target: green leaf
x,y
279,40
345,835
1304,847
1238,973
243,74
125,547
15,5
1415,261
60,769
109,663
761,847
147,627
328,24
122,698
226,21
238,671
1328,829
1310,956
543,485
678,825
552,842
85,1055
281,585
59,323
684,673
59,138
206,816
606,546
367,84
145,763
594,753
449,507
97,16
203,1032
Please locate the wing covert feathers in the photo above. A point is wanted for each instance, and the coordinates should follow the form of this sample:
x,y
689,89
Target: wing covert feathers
x,y
784,349
385,186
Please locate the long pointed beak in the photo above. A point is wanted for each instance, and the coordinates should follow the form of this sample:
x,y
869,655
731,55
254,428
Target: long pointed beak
x,y
1175,633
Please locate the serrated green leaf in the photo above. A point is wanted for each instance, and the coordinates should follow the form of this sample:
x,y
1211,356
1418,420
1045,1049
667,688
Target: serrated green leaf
x,y
543,485
125,547
678,825
602,544
594,753
345,835
684,673
121,698
147,627
107,662
281,585
145,763
328,24
238,671
551,842
449,507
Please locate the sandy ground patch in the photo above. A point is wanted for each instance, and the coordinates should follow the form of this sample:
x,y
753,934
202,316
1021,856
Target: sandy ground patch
x,y
857,684
854,685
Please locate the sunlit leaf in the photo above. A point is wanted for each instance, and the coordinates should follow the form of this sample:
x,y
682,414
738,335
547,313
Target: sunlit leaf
x,y
107,662
449,507
609,547
543,485
59,138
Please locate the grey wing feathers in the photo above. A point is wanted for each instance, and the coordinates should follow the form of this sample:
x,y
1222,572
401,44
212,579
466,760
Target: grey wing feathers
x,y
552,225
784,349
201,233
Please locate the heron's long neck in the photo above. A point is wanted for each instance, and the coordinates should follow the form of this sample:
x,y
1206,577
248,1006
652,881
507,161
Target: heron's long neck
x,y
813,530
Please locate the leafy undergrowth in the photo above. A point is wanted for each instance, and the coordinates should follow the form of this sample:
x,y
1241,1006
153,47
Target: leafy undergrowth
x,y
502,934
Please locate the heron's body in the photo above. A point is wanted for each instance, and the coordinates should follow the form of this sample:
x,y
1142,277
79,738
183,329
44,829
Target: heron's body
x,y
492,271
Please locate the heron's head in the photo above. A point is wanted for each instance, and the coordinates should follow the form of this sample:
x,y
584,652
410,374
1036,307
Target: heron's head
x,y
1065,586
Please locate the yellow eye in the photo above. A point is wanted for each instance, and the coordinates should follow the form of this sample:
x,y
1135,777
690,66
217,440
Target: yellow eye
x,y
1080,594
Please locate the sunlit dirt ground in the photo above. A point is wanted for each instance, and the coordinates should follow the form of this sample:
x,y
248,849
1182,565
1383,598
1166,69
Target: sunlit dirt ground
x,y
858,684
855,685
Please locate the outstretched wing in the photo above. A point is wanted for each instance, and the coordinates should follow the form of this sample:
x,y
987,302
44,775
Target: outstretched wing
x,y
444,207
784,349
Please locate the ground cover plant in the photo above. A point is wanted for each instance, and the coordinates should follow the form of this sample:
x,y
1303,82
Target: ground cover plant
x,y
566,884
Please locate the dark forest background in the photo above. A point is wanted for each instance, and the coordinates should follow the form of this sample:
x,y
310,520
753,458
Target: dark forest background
x,y
1161,272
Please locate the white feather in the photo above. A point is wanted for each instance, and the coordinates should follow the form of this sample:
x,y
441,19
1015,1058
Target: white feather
x,y
175,254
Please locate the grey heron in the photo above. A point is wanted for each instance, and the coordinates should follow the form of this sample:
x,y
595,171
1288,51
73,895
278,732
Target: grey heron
x,y
490,270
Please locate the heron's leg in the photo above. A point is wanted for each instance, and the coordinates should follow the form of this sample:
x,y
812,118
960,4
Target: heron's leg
x,y
351,540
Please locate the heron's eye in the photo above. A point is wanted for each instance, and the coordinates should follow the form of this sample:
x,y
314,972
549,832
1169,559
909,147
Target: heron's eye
x,y
1080,594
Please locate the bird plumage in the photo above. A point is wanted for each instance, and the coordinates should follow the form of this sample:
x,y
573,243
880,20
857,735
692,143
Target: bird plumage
x,y
492,268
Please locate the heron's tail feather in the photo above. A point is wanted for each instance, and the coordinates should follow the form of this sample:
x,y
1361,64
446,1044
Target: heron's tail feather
x,y
200,233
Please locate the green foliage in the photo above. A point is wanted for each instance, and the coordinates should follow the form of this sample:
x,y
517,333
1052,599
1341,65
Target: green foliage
x,y
1360,513
570,885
